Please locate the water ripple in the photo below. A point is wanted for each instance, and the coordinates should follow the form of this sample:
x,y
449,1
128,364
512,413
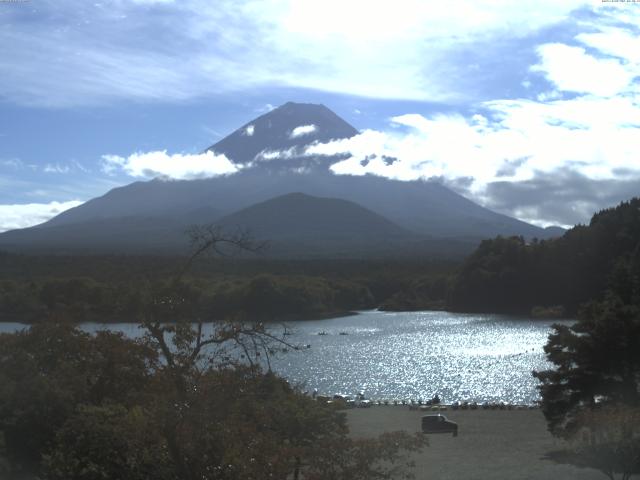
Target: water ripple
x,y
414,355
410,355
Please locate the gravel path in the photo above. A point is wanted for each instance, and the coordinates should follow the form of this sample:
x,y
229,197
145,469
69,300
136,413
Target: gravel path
x,y
491,444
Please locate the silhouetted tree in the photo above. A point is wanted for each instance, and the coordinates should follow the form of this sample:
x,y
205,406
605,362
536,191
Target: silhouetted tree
x,y
597,362
186,401
513,275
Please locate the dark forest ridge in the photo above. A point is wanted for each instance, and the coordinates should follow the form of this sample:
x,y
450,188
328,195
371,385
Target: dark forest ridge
x,y
151,216
504,275
510,275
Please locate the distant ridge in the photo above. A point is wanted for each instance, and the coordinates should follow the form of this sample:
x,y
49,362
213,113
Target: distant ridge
x,y
155,213
296,216
302,225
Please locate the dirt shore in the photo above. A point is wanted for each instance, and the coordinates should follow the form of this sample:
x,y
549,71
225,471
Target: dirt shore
x,y
491,444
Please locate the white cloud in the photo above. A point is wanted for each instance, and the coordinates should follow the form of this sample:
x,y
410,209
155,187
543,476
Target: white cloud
x,y
27,215
56,168
515,141
249,130
266,108
401,50
288,153
14,163
592,137
617,42
174,166
303,130
572,69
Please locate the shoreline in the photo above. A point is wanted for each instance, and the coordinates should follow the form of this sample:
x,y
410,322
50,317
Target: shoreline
x,y
294,317
284,319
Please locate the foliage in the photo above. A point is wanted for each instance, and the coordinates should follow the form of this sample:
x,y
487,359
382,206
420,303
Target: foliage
x,y
73,406
105,442
110,288
271,296
608,441
46,372
597,361
185,401
592,396
427,292
514,275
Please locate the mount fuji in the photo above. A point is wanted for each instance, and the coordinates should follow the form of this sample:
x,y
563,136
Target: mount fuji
x,y
282,195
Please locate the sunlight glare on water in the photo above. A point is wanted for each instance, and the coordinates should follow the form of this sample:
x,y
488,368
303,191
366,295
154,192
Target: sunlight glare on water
x,y
408,355
414,355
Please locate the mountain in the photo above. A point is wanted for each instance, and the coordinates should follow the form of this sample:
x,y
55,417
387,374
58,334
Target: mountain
x,y
424,207
554,231
297,215
132,234
299,223
156,212
288,128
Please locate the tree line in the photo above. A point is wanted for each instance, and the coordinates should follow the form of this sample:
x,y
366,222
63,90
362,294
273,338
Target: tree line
x,y
503,275
272,297
591,395
111,288
175,404
512,275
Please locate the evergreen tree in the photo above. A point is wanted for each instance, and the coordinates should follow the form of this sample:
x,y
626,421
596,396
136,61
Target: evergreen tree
x,y
597,363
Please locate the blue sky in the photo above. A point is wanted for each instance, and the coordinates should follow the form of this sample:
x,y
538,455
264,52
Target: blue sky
x,y
531,108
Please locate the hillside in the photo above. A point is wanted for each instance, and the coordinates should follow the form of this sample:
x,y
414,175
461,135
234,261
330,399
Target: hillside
x,y
512,275
152,215
276,131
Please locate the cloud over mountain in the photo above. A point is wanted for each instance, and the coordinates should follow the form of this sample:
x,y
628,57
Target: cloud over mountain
x,y
491,102
303,130
175,166
26,215
505,153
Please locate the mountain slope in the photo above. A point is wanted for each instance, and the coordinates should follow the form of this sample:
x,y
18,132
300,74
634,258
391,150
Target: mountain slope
x,y
510,275
421,207
300,216
297,224
292,125
132,234
424,207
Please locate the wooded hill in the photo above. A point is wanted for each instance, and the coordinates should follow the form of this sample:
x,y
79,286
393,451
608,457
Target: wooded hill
x,y
504,275
281,194
113,288
512,275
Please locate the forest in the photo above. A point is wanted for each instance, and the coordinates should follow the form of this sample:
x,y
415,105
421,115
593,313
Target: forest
x,y
177,403
512,275
112,288
546,278
181,404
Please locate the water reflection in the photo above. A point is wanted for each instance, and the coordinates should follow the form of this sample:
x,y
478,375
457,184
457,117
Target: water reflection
x,y
414,355
409,355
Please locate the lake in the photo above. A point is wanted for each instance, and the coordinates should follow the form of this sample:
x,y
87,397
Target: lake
x,y
410,355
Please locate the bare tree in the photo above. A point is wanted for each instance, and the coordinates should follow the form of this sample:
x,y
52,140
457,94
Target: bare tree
x,y
188,349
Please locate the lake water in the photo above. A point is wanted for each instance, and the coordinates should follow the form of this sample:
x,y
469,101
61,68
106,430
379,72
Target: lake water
x,y
411,355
